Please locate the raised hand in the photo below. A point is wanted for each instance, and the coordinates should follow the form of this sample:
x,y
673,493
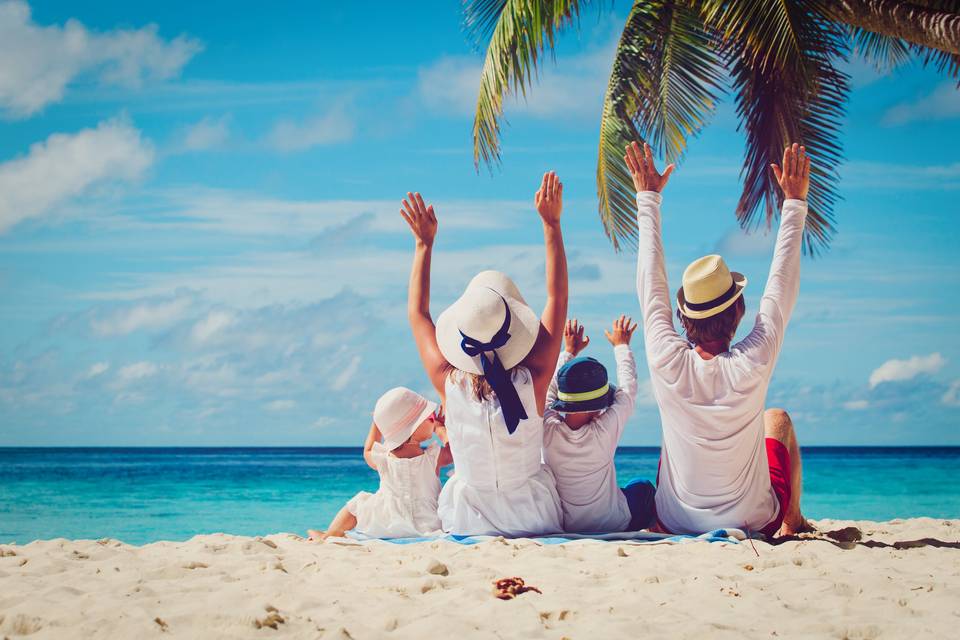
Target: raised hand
x,y
421,218
622,331
794,174
549,198
573,337
643,170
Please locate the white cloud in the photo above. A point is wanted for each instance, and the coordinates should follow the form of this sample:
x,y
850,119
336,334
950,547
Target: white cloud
x,y
572,88
740,243
212,324
145,315
943,103
878,175
331,127
280,405
856,405
67,165
645,395
450,85
343,379
951,397
323,422
37,63
899,370
209,133
97,369
862,72
136,371
211,378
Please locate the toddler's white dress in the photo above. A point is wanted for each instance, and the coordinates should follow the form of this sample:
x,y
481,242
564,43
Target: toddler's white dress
x,y
405,505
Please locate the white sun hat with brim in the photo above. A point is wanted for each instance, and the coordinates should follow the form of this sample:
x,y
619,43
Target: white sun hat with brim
x,y
398,413
484,321
499,282
709,287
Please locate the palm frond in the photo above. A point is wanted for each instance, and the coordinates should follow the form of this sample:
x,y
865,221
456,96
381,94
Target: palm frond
x,y
682,91
520,31
781,56
943,62
663,88
884,52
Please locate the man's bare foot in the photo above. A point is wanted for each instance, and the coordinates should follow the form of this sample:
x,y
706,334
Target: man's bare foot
x,y
315,535
793,526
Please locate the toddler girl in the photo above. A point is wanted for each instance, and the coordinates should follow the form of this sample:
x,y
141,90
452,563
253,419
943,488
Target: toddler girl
x,y
405,505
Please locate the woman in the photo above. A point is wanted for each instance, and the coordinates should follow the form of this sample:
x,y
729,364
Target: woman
x,y
491,359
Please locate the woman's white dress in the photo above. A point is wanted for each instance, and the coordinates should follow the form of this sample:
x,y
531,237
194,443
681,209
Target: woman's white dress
x,y
500,485
405,505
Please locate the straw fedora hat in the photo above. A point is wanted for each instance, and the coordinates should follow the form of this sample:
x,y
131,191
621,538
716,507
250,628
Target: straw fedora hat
x,y
708,288
398,413
485,320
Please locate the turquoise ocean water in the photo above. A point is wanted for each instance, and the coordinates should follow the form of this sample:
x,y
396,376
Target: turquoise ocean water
x,y
143,495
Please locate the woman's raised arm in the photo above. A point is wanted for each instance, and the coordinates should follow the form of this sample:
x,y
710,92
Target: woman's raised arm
x,y
542,360
423,223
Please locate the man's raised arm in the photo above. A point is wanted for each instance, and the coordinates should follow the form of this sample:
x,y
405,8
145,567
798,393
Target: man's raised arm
x,y
783,283
659,335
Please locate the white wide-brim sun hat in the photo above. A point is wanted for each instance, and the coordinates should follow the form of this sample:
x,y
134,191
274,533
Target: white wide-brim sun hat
x,y
499,282
480,314
398,413
709,287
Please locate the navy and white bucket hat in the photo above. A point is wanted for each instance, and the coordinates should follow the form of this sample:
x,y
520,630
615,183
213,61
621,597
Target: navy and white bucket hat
x,y
582,387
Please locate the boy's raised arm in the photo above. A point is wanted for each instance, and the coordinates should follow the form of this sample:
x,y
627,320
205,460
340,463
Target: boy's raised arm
x,y
620,336
574,342
613,421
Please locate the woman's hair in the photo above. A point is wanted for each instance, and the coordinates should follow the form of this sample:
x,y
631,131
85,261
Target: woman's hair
x,y
720,327
478,382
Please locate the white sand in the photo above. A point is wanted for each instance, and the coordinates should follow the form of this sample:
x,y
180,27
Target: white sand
x,y
219,586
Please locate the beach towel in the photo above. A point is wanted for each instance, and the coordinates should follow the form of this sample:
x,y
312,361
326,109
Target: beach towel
x,y
630,537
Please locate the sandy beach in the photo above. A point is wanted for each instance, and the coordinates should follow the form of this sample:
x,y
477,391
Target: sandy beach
x,y
902,579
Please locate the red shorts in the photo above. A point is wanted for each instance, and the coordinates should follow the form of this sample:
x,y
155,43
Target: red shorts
x,y
779,460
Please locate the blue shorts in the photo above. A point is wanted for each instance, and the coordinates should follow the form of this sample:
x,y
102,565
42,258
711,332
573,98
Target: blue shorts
x,y
639,494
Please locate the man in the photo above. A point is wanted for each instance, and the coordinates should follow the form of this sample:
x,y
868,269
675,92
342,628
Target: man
x,y
725,461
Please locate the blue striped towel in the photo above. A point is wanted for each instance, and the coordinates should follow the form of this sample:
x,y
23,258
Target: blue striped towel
x,y
632,537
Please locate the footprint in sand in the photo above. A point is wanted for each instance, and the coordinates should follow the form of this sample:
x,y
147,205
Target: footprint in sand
x,y
20,624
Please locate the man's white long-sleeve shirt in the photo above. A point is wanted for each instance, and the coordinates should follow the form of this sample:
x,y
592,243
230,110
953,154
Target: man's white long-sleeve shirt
x,y
582,459
714,469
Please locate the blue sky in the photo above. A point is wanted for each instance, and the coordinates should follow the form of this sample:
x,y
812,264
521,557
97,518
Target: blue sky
x,y
200,244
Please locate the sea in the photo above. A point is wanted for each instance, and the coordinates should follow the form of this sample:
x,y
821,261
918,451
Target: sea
x,y
142,495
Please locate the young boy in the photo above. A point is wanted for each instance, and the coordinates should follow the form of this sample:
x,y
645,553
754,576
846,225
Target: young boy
x,y
583,421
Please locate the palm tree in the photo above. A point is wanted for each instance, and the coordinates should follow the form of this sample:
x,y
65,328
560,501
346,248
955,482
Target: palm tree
x,y
675,58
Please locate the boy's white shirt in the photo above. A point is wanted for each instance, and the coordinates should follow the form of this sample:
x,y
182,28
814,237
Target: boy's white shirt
x,y
582,459
714,470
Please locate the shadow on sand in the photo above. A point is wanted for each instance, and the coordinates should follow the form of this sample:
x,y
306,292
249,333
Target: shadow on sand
x,y
852,537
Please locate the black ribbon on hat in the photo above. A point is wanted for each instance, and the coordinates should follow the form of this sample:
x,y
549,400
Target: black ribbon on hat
x,y
716,302
493,371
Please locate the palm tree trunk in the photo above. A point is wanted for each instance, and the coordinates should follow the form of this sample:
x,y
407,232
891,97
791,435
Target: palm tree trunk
x,y
912,22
